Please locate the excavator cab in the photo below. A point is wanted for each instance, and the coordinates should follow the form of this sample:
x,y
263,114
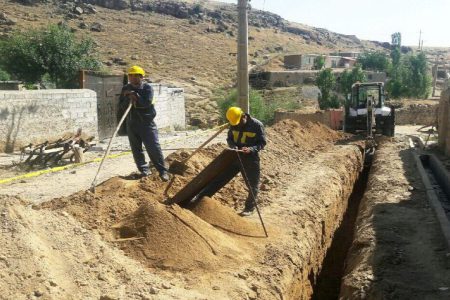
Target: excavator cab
x,y
365,110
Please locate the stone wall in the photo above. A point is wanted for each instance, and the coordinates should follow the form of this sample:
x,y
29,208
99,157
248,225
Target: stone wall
x,y
297,77
37,116
444,122
413,115
417,115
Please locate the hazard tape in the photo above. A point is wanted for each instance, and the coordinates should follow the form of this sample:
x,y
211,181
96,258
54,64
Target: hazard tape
x,y
75,165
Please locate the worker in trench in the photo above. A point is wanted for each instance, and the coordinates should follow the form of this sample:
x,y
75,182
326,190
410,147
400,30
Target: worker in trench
x,y
140,124
246,136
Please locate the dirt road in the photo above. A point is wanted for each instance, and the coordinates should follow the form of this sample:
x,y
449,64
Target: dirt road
x,y
64,183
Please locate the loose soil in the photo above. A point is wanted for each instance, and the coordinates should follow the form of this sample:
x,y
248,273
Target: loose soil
x,y
399,251
122,242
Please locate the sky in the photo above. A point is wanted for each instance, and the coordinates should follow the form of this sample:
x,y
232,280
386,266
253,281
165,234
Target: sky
x,y
369,19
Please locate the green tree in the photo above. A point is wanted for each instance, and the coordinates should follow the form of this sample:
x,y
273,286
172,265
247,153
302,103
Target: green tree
x,y
52,51
396,56
376,61
4,76
326,83
257,108
319,62
418,79
349,78
410,77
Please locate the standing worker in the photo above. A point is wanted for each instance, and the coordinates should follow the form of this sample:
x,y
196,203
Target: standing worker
x,y
141,127
247,135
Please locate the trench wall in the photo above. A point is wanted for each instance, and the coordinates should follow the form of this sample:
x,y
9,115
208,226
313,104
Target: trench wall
x,y
40,115
444,122
330,118
317,205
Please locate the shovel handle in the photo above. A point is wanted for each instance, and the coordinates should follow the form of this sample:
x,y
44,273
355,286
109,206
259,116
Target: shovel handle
x,y
109,146
222,128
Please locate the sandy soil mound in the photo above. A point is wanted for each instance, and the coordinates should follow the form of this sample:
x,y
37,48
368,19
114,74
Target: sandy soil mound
x,y
49,255
288,144
226,219
112,201
170,238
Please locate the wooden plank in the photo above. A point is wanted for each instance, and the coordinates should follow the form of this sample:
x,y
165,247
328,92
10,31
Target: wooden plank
x,y
53,150
217,166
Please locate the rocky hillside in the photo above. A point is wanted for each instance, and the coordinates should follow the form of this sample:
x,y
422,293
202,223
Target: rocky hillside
x,y
189,44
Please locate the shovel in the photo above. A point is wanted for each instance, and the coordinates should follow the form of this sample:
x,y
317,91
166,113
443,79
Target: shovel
x,y
94,182
179,167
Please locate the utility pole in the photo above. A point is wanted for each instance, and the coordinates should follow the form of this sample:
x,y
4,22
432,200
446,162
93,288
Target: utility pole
x,y
420,40
435,74
243,97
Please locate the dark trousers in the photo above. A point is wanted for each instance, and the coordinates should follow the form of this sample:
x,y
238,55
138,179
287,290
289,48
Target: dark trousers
x,y
251,173
139,134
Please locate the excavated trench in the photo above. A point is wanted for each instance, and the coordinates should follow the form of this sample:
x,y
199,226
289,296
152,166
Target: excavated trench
x,y
328,282
325,278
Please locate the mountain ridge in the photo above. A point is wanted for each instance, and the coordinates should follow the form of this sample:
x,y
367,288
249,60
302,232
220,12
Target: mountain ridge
x,y
189,44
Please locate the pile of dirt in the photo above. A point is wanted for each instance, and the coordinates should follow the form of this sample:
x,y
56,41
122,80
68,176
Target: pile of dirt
x,y
112,201
226,219
288,144
49,255
173,238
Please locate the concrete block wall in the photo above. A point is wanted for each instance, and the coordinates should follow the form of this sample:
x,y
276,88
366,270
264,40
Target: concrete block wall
x,y
170,107
37,116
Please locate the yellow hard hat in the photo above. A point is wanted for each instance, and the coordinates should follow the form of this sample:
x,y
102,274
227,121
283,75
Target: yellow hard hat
x,y
234,115
136,70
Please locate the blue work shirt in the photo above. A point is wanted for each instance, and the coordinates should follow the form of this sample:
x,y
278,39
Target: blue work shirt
x,y
143,111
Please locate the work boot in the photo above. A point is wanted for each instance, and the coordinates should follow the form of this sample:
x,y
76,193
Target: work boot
x,y
247,212
164,176
145,173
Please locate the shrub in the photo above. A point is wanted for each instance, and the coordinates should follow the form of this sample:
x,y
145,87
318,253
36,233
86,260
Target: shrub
x,y
349,78
4,76
259,108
